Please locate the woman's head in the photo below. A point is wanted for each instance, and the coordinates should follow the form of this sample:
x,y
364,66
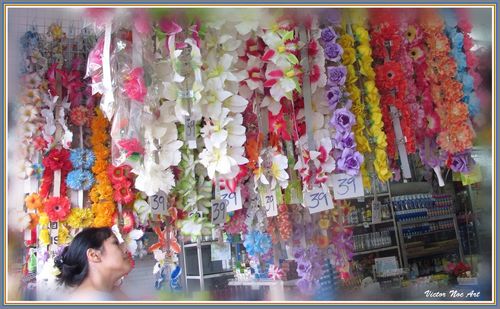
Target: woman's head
x,y
96,250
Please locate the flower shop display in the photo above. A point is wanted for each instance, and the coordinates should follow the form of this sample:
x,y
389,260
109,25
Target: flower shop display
x,y
177,112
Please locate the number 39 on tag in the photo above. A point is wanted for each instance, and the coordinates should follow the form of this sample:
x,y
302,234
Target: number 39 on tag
x,y
346,186
233,199
318,200
219,211
158,203
268,200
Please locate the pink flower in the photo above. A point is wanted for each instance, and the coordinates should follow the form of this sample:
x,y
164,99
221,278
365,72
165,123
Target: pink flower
x,y
100,15
79,115
135,86
169,27
132,146
141,22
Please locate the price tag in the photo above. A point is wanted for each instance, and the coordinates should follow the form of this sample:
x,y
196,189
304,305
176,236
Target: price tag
x,y
346,186
158,203
268,200
219,211
190,132
318,200
233,199
57,183
376,212
220,252
54,233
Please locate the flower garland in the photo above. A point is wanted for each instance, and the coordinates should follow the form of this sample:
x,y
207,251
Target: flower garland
x,y
372,107
348,159
121,179
471,78
309,268
56,159
101,194
456,133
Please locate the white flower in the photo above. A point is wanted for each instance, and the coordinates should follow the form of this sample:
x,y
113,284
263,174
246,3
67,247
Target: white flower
x,y
220,72
279,50
216,159
252,76
236,132
131,240
212,100
277,171
236,104
215,129
236,153
272,105
152,177
28,113
142,209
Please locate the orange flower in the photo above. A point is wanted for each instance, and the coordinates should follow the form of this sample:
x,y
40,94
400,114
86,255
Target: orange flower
x,y
452,90
252,147
98,138
34,221
100,166
322,241
101,151
457,138
34,202
439,44
457,113
102,221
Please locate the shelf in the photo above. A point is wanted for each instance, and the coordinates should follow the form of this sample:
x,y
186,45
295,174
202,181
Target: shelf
x,y
374,250
429,233
226,273
369,224
428,219
207,243
444,248
385,194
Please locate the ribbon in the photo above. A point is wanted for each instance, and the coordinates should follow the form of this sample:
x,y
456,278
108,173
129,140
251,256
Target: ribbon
x,y
401,140
107,103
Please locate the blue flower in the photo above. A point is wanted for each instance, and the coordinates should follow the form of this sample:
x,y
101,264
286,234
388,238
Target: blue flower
x,y
458,40
82,157
257,243
38,170
468,82
80,180
474,105
460,59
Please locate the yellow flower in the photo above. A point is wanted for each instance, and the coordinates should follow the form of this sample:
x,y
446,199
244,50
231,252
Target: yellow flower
x,y
324,224
364,174
351,74
361,34
365,52
355,93
43,219
44,237
349,56
99,166
80,218
367,70
411,33
63,235
346,41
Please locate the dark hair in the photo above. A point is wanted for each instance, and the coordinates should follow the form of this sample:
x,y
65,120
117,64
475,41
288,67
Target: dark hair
x,y
72,262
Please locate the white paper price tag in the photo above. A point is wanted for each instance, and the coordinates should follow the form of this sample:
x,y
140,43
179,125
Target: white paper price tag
x,y
54,233
158,203
318,200
57,183
233,199
268,200
190,132
219,211
346,186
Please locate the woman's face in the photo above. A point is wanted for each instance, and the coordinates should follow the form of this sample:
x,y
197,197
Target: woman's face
x,y
114,257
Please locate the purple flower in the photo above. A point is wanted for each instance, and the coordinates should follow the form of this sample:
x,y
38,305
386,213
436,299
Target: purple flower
x,y
304,285
328,35
298,254
461,162
336,75
334,17
333,95
303,268
350,162
344,140
342,120
333,51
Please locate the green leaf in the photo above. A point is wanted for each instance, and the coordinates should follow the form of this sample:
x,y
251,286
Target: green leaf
x,y
292,59
288,36
160,34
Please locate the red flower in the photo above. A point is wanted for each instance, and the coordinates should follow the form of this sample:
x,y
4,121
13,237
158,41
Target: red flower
x,y
132,146
277,125
135,86
40,143
79,115
128,221
57,159
389,75
255,47
123,192
313,48
119,173
57,208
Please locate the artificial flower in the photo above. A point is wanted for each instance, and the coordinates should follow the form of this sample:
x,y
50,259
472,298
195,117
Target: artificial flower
x,y
79,115
80,218
132,146
34,202
143,210
128,221
57,208
80,180
152,177
134,85
257,243
350,162
82,158
123,192
336,75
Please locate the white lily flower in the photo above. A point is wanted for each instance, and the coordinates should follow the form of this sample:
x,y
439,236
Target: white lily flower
x,y
152,177
215,130
236,104
219,73
143,210
236,131
212,100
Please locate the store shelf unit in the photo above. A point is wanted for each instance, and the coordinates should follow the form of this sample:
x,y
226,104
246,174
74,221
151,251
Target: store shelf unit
x,y
202,274
437,247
